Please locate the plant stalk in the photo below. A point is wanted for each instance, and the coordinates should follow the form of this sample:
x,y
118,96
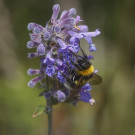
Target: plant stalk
x,y
49,108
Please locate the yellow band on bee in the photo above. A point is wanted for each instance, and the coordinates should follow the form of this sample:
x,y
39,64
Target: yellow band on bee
x,y
88,71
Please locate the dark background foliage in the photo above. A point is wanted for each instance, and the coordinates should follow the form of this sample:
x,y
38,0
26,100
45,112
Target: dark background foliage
x,y
114,113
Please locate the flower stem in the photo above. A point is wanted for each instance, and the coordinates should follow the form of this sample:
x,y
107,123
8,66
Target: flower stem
x,y
50,123
49,108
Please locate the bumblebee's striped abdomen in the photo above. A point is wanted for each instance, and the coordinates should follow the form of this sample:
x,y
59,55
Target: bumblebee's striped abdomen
x,y
87,72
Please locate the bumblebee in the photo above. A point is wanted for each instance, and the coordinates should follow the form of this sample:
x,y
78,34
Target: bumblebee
x,y
81,74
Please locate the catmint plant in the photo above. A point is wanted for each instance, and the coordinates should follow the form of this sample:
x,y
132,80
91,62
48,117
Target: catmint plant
x,y
56,46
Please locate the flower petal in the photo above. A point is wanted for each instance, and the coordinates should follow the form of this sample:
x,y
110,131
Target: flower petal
x,y
56,9
86,87
74,34
85,96
41,50
50,70
92,48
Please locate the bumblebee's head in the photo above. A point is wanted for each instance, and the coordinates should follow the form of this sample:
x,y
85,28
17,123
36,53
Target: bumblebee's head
x,y
83,62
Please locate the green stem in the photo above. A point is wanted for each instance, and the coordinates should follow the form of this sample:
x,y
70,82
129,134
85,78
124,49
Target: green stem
x,y
50,123
49,106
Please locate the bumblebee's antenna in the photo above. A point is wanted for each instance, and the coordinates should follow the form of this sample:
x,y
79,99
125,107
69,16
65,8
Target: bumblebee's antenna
x,y
73,53
83,52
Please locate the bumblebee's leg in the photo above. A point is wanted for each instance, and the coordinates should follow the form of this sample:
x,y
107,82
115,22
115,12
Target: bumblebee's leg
x,y
69,81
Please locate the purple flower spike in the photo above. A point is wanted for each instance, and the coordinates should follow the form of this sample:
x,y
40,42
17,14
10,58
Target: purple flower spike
x,y
50,70
57,45
41,50
56,9
61,96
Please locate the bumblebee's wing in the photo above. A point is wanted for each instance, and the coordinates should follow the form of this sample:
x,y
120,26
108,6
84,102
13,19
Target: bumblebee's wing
x,y
95,79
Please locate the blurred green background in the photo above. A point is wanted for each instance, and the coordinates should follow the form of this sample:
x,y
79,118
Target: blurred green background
x,y
114,113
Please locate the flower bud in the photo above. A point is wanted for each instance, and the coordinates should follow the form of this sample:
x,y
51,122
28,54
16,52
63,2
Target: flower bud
x,y
61,96
41,50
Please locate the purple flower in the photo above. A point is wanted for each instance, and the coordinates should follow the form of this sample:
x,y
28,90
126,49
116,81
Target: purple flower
x,y
62,44
60,77
41,50
83,28
74,48
49,59
50,70
31,44
47,35
86,35
56,9
33,71
85,96
59,62
90,57
72,12
74,40
77,19
31,26
57,46
57,29
86,88
34,81
38,29
92,48
61,96
35,38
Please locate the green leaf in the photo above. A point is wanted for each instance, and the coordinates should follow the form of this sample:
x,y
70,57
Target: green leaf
x,y
39,110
